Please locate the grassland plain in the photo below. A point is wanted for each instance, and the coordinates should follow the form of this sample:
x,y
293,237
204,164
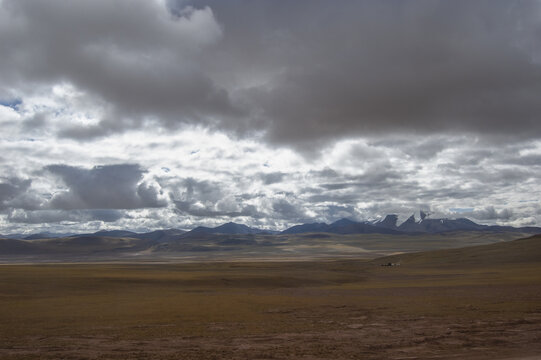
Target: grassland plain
x,y
227,247
472,303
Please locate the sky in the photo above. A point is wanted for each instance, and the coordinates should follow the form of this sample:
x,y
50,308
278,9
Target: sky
x,y
152,114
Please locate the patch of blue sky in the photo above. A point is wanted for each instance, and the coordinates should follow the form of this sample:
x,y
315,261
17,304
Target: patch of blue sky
x,y
461,210
11,103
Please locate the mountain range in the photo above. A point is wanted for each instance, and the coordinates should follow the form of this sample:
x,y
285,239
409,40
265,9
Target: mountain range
x,y
344,237
229,228
388,226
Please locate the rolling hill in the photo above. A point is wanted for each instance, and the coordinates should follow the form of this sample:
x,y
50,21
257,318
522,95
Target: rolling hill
x,y
344,238
525,250
228,228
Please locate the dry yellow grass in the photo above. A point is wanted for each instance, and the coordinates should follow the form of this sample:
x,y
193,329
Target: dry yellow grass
x,y
430,306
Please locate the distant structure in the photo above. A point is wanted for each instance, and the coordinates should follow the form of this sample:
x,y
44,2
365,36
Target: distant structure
x,y
391,264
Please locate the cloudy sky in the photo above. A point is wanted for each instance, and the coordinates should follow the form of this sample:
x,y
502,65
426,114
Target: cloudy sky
x,y
145,114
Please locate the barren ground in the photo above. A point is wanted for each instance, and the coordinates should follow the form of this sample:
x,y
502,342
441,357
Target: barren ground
x,y
343,309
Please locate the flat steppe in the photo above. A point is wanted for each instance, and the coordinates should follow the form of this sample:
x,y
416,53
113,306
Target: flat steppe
x,y
480,302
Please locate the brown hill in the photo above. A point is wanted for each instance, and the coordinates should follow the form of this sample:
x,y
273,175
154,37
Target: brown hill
x,y
12,246
527,250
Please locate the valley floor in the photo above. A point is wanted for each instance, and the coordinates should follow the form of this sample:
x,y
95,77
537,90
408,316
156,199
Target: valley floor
x,y
340,309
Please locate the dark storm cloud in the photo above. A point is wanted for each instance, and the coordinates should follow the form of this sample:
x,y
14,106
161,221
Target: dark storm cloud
x,y
246,196
327,173
376,176
506,177
10,189
488,175
337,186
134,57
329,197
271,178
104,187
379,66
350,194
57,216
306,72
284,209
86,132
378,181
407,192
532,160
335,212
202,198
190,189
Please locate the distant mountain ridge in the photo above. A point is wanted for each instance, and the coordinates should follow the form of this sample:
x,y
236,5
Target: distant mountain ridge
x,y
438,225
389,226
229,228
344,237
342,226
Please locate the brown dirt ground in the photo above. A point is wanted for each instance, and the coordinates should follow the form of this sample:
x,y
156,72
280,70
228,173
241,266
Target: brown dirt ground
x,y
160,312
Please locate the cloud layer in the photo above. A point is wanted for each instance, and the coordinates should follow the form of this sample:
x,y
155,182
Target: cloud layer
x,y
103,187
147,114
300,73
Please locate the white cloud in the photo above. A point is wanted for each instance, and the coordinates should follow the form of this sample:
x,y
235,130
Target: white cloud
x,y
204,91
